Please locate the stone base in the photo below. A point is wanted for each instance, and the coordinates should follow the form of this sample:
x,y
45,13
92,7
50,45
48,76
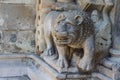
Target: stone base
x,y
110,70
32,66
53,62
110,67
15,78
17,66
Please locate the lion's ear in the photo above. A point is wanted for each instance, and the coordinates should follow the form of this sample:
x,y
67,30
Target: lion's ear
x,y
79,19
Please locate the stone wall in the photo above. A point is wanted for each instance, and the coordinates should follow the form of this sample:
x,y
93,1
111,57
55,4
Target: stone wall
x,y
17,19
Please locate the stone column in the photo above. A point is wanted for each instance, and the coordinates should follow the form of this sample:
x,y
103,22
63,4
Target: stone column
x,y
115,51
111,68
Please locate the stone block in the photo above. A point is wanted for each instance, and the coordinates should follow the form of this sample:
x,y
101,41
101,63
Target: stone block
x,y
14,17
26,41
3,25
1,41
18,1
9,40
14,66
10,37
11,48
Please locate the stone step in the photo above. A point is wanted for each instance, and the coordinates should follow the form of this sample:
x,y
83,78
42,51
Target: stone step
x,y
15,78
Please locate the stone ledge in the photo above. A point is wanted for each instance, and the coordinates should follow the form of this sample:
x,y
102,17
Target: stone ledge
x,y
35,68
12,65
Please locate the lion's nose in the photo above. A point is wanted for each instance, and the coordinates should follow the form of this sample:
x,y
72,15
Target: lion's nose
x,y
60,28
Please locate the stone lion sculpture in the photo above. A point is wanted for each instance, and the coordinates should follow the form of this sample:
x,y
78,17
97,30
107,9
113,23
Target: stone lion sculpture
x,y
68,30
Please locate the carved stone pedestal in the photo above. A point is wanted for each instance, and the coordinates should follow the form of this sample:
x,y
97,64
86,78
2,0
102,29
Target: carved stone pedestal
x,y
110,67
57,74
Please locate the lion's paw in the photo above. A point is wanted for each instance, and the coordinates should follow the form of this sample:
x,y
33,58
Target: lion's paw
x,y
85,64
62,62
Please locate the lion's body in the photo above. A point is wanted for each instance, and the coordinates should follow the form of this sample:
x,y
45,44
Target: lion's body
x,y
70,32
84,33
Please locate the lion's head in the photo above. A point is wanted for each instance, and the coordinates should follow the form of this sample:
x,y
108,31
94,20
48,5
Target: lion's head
x,y
70,26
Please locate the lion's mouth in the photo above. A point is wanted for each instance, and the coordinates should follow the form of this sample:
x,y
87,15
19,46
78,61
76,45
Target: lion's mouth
x,y
62,40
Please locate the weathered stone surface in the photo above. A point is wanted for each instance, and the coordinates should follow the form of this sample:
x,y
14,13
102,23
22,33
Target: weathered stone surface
x,y
1,36
17,19
1,47
18,1
15,78
14,17
21,41
116,29
22,67
26,41
10,36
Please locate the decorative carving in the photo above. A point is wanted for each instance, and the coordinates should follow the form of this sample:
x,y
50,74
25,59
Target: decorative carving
x,y
71,29
102,28
70,35
43,8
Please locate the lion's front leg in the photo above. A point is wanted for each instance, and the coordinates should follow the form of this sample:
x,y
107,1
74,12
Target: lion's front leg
x,y
50,47
86,63
49,51
63,51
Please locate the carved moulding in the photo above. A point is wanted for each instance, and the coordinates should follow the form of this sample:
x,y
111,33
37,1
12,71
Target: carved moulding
x,y
62,50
